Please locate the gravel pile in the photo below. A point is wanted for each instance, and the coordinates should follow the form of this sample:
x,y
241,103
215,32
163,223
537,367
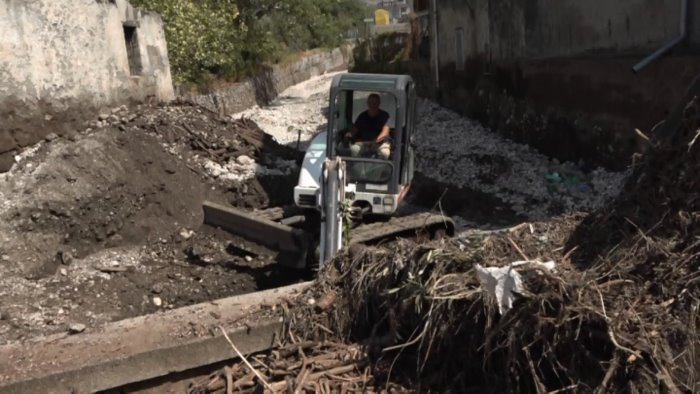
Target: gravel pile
x,y
302,107
458,151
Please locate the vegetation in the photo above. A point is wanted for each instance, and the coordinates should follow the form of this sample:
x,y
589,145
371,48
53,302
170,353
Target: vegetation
x,y
231,39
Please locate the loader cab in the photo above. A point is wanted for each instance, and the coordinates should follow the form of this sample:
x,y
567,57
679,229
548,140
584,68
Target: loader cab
x,y
375,184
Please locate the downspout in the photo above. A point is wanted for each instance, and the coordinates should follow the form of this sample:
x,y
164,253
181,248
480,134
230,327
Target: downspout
x,y
661,51
436,43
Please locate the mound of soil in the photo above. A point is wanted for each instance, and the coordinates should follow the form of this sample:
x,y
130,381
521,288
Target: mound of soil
x,y
105,224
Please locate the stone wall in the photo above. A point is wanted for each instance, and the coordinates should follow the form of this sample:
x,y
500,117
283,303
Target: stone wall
x,y
557,74
62,59
228,99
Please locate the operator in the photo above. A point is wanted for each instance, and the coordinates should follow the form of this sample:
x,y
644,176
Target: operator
x,y
370,133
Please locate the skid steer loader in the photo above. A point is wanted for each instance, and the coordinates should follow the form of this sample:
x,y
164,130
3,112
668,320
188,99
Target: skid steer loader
x,y
335,190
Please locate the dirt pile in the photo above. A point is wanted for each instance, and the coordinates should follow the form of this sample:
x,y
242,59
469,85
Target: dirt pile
x,y
105,224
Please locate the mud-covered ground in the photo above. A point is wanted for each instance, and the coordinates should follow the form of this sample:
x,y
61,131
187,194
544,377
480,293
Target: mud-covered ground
x,y
106,224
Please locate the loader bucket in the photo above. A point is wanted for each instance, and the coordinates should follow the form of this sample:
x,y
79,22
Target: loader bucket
x,y
291,243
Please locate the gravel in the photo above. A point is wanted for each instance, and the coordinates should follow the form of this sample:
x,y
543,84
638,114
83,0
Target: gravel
x,y
458,151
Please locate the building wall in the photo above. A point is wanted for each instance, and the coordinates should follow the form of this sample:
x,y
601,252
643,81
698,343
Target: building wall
x,y
60,54
557,74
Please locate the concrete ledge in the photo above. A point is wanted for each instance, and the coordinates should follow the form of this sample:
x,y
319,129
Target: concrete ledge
x,y
142,348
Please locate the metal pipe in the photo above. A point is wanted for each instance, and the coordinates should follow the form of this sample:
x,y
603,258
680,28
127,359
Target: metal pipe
x,y
661,51
436,43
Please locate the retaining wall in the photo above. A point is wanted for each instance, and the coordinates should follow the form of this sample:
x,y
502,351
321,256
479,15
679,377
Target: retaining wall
x,y
231,98
558,74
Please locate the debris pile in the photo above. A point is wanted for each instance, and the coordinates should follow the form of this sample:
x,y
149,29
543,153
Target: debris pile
x,y
312,367
117,205
648,240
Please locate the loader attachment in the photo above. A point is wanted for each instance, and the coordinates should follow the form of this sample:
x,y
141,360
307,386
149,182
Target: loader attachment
x,y
291,243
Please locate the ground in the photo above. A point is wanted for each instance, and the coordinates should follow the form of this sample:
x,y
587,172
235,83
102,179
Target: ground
x,y
105,224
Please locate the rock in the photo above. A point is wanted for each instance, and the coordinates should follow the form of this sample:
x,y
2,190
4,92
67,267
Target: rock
x,y
244,160
157,301
48,117
72,136
76,328
7,141
122,127
7,160
51,136
64,272
186,234
157,288
248,259
36,216
103,117
66,258
5,257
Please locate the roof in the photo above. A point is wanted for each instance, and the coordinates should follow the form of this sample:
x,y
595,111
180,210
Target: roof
x,y
373,82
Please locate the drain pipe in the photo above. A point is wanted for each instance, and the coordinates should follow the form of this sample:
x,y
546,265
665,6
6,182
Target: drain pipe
x,y
661,51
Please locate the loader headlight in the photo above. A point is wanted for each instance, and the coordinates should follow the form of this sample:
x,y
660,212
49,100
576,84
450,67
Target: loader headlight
x,y
388,200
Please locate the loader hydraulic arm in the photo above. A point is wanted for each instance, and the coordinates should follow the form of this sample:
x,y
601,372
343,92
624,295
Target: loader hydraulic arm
x,y
332,195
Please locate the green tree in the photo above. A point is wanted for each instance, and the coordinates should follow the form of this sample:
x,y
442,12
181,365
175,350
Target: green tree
x,y
232,38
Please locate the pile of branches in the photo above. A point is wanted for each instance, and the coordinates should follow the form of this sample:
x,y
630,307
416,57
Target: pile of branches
x,y
423,318
648,239
314,367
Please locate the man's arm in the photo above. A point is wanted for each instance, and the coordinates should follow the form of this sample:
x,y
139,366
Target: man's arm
x,y
385,129
383,134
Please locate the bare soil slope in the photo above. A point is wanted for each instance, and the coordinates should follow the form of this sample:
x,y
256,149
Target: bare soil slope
x,y
105,224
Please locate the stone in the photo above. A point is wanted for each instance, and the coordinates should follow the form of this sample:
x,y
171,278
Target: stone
x,y
50,137
103,117
7,142
244,160
66,258
248,259
157,301
64,272
5,257
7,160
186,234
157,288
76,328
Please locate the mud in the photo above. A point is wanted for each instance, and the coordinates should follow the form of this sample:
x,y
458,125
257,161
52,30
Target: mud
x,y
105,224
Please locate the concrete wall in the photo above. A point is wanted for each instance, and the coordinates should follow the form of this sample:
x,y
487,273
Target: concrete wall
x,y
229,99
60,57
507,29
557,74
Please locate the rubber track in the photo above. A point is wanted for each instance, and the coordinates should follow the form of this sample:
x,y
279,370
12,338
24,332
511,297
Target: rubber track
x,y
399,225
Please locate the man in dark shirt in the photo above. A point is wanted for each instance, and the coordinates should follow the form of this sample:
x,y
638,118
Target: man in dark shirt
x,y
370,132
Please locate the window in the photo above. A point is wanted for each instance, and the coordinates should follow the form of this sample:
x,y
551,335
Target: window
x,y
459,49
132,48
